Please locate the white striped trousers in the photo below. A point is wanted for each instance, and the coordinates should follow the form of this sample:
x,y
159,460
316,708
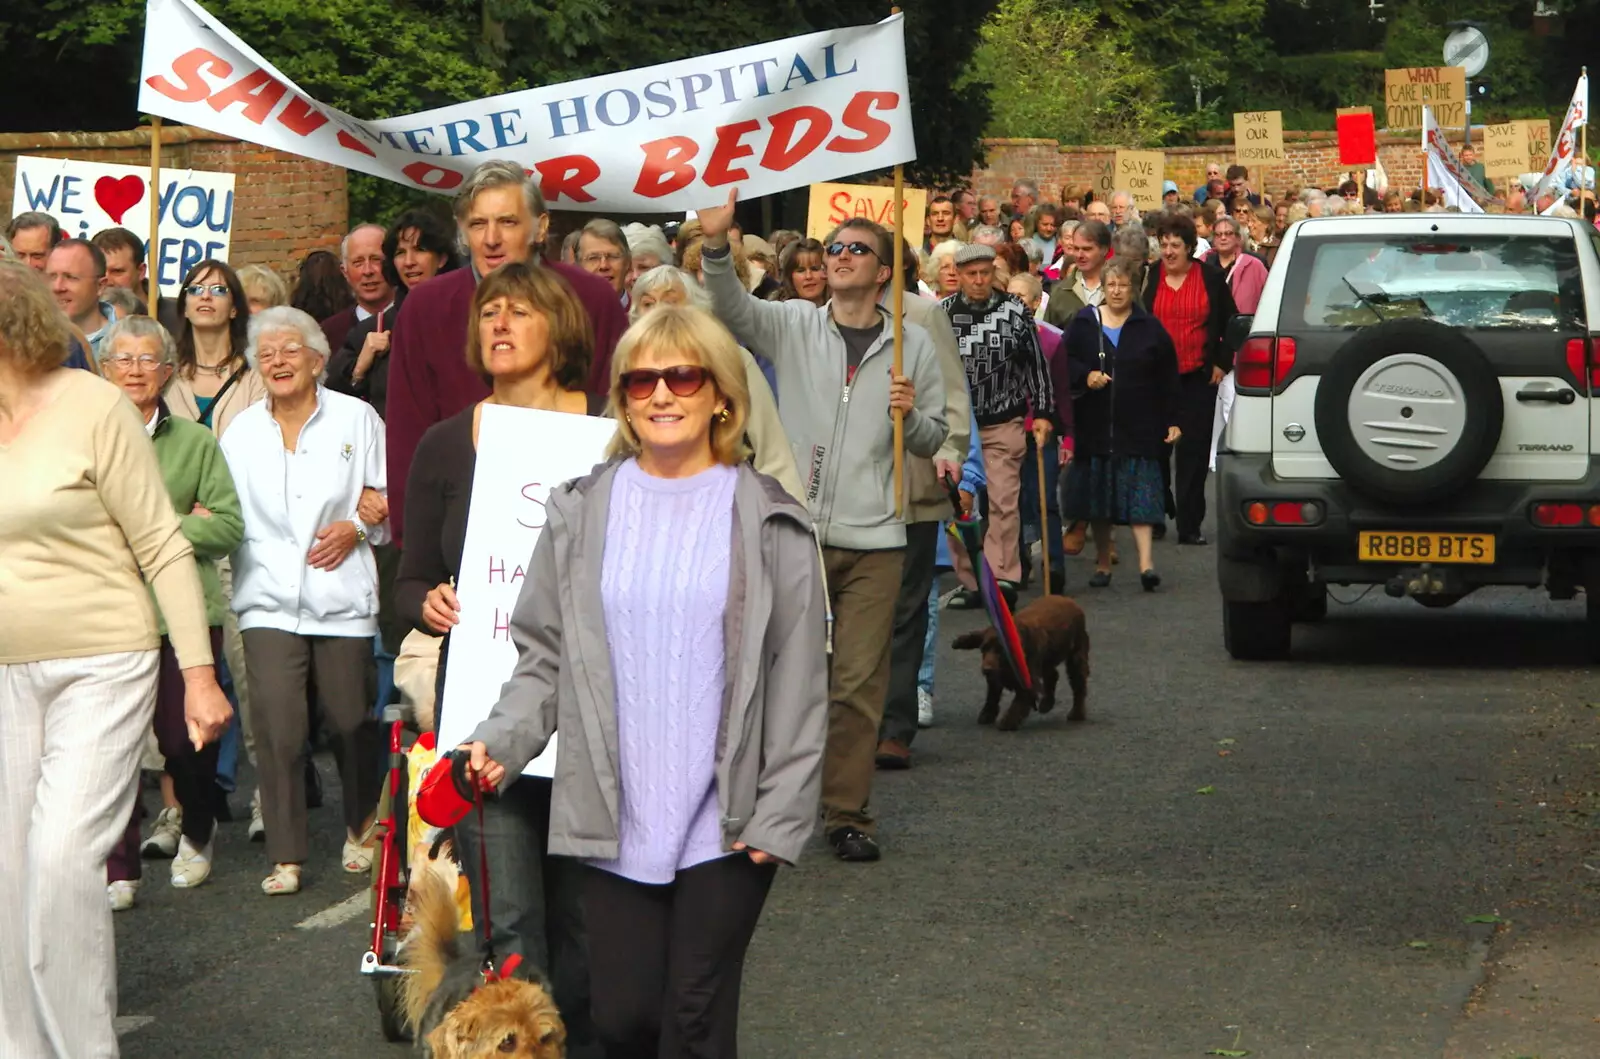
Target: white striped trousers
x,y
70,734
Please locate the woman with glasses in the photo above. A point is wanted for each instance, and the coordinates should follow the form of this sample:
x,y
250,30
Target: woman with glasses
x,y
212,383
1122,368
689,764
532,339
309,467
140,356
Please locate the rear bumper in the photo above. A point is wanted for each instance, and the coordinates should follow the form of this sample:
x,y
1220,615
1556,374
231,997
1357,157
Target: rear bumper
x,y
1524,553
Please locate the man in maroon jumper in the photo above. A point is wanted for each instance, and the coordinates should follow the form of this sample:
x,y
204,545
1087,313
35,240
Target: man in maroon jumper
x,y
502,218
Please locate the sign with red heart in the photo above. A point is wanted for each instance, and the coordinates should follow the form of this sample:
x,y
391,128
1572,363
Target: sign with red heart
x,y
117,196
195,208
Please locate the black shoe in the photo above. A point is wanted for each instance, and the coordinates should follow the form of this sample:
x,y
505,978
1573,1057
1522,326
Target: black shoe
x,y
966,599
1158,531
1197,539
853,845
1100,579
1008,589
1150,580
1058,581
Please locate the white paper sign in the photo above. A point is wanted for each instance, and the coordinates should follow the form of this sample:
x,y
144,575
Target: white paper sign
x,y
522,455
86,197
665,138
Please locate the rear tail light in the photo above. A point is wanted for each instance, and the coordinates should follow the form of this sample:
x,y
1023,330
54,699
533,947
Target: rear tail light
x,y
1583,361
1283,513
1565,514
1263,362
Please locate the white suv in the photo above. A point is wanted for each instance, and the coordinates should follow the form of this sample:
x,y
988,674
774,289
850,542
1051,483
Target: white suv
x,y
1413,411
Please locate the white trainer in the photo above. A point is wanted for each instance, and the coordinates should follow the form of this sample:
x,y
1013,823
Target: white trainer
x,y
121,894
191,866
258,829
163,840
924,708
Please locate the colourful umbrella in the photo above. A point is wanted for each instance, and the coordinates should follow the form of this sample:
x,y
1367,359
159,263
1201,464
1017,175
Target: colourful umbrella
x,y
968,532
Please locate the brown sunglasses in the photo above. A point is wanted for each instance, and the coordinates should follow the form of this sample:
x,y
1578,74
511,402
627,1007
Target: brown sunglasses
x,y
684,380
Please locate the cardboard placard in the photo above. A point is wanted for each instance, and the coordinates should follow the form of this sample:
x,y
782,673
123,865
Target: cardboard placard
x,y
1506,149
1538,130
523,453
833,204
1358,139
1258,139
1140,173
88,197
1406,92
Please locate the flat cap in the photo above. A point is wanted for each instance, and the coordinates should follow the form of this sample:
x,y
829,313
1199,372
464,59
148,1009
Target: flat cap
x,y
971,252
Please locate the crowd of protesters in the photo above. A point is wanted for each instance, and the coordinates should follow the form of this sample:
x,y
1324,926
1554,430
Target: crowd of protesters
x,y
315,438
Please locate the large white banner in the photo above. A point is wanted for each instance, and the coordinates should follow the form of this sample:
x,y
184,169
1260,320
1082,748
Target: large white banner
x,y
196,208
1446,173
665,138
1565,146
522,455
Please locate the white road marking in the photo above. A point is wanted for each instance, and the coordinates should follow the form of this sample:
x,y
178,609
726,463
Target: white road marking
x,y
126,1024
352,907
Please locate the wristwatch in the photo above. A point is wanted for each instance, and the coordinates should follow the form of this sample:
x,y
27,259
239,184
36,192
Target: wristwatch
x,y
361,531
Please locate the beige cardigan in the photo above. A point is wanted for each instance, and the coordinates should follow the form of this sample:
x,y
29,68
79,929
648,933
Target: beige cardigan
x,y
241,395
87,523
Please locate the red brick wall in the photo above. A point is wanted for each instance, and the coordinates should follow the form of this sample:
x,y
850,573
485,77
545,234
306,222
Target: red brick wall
x,y
1311,158
284,205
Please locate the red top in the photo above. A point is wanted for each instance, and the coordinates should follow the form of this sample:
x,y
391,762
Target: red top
x,y
1184,312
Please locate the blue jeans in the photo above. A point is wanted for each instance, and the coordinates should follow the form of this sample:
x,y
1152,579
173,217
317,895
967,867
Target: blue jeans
x,y
385,662
930,644
228,751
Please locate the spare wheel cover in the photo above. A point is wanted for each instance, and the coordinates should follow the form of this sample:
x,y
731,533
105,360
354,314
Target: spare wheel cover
x,y
1409,412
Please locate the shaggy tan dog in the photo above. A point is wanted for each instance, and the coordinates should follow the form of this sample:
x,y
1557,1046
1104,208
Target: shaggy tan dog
x,y
453,1013
1053,632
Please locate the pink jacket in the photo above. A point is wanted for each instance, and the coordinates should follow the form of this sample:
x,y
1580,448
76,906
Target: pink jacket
x,y
1245,282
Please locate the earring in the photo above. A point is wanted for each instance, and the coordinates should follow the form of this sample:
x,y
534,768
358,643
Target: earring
x,y
723,415
628,417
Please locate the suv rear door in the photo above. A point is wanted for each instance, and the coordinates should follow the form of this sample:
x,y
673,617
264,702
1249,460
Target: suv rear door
x,y
1514,286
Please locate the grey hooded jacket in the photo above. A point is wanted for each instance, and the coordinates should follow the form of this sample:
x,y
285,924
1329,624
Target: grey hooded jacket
x,y
840,430
775,703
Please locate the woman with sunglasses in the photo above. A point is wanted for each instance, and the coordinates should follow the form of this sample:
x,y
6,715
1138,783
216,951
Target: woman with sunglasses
x,y
213,383
531,338
689,587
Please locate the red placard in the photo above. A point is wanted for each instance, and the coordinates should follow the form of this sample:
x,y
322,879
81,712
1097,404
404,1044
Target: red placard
x,y
1358,136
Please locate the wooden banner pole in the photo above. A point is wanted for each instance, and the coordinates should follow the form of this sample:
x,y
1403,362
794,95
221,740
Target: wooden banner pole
x,y
152,256
899,305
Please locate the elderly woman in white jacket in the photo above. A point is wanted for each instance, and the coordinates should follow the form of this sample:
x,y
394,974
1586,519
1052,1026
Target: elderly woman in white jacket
x,y
309,467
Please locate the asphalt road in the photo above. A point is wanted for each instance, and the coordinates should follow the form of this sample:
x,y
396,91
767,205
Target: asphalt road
x,y
1068,890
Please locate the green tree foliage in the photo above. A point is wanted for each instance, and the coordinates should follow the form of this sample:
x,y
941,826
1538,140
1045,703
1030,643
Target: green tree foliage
x,y
1058,73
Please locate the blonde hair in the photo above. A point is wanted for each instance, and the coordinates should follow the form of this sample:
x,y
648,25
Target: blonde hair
x,y
692,253
34,334
261,282
696,335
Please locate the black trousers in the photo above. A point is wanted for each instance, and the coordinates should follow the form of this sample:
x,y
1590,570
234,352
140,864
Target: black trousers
x,y
1197,403
910,632
666,962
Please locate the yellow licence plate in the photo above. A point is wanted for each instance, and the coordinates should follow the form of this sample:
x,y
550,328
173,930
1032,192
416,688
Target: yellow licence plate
x,y
1382,546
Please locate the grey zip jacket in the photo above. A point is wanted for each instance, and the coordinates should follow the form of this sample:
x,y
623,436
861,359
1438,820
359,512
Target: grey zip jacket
x,y
775,704
841,431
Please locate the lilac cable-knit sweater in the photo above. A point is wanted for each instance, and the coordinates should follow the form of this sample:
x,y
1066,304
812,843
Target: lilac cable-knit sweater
x,y
664,584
